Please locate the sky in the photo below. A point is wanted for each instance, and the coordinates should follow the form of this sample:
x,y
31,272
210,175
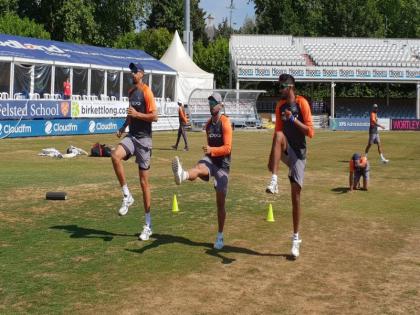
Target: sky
x,y
218,9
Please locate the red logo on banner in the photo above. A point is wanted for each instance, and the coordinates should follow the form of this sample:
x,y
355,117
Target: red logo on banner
x,y
65,108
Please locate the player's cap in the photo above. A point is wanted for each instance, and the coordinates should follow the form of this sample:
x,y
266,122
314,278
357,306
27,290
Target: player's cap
x,y
355,157
375,106
216,96
136,67
179,101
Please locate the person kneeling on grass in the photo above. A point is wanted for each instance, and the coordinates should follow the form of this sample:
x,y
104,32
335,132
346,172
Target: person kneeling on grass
x,y
359,167
216,160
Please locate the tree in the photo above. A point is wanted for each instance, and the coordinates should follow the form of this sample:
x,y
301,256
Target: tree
x,y
84,21
248,27
170,14
8,6
12,24
223,29
350,18
215,59
76,23
153,41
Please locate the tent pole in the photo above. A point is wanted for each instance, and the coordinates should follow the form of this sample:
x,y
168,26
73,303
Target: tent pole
x,y
12,79
52,80
106,83
418,101
121,84
89,80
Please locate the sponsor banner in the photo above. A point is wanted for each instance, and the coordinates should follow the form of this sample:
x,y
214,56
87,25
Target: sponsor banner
x,y
57,127
355,123
405,124
98,109
34,109
338,73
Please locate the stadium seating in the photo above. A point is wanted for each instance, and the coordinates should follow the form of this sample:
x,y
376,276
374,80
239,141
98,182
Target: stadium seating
x,y
279,50
268,55
363,111
362,55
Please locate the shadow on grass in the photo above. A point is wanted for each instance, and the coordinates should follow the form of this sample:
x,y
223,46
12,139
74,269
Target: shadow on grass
x,y
76,231
340,190
164,149
164,239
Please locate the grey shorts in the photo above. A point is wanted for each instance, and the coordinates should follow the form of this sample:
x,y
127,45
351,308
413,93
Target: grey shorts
x,y
363,173
296,166
374,138
221,175
141,148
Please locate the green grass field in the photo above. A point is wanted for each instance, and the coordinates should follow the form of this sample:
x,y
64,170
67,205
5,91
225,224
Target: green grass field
x,y
360,252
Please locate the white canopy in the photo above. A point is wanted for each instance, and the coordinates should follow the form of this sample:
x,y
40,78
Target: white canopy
x,y
190,76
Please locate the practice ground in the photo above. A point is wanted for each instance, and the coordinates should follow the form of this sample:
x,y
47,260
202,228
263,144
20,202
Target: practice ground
x,y
360,252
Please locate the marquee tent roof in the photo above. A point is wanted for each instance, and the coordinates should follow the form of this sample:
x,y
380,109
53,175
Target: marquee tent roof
x,y
190,76
25,49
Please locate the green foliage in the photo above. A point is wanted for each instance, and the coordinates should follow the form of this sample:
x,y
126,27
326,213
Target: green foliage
x,y
351,18
8,6
12,24
248,27
224,29
76,23
153,41
84,21
214,59
170,14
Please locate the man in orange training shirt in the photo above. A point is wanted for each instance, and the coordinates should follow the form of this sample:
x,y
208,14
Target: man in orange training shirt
x,y
183,121
216,160
359,167
293,124
373,133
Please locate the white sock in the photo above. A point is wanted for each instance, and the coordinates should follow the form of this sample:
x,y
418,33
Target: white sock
x,y
125,190
148,219
274,178
382,157
296,236
366,155
185,175
219,234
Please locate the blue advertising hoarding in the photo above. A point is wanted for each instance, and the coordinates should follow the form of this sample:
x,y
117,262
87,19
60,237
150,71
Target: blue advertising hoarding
x,y
34,109
57,127
349,123
356,123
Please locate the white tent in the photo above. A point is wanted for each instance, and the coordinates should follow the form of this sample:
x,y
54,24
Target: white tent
x,y
190,76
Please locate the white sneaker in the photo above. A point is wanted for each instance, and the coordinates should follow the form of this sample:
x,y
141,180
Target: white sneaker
x,y
177,170
295,247
126,202
146,233
384,161
272,188
219,243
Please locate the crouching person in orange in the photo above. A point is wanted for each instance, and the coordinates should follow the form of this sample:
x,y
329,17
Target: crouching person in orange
x,y
359,167
215,163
